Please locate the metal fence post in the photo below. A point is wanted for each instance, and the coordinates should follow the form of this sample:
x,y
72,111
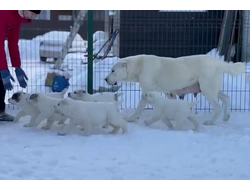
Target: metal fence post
x,y
90,51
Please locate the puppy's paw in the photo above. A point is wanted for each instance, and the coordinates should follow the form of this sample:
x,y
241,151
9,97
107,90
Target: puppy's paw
x,y
132,118
60,122
146,122
15,120
105,126
226,117
27,125
208,123
61,134
45,127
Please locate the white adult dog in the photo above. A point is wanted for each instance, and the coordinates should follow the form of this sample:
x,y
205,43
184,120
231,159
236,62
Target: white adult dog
x,y
90,114
45,105
97,97
169,109
164,74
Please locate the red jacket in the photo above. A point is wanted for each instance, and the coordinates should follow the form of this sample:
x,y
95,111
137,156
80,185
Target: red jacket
x,y
10,22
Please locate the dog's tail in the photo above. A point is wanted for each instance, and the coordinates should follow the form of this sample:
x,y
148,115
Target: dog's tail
x,y
235,68
116,96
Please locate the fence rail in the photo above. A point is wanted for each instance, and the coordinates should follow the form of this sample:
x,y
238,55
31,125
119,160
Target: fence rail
x,y
163,33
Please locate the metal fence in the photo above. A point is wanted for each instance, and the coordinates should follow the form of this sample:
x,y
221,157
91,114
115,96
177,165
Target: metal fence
x,y
162,33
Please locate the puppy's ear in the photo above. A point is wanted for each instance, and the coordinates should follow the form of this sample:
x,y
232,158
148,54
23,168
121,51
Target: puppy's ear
x,y
82,91
150,95
34,96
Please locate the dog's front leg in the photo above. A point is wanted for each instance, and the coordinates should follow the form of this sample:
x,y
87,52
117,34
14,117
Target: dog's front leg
x,y
152,120
62,121
19,115
142,104
66,128
32,121
39,119
49,123
87,127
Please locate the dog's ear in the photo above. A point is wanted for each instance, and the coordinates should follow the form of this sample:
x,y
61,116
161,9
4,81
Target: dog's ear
x,y
16,96
34,96
150,95
124,64
81,92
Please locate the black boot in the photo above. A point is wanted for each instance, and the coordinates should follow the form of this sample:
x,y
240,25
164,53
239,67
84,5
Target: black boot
x,y
6,117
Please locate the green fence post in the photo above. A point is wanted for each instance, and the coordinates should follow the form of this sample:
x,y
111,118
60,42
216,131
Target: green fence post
x,y
90,51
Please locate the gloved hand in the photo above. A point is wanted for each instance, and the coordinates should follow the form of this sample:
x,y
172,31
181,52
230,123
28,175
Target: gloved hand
x,y
21,76
6,76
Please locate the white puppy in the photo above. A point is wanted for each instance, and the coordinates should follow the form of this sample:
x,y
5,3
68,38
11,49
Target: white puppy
x,y
91,114
165,74
98,97
57,94
45,105
169,109
19,99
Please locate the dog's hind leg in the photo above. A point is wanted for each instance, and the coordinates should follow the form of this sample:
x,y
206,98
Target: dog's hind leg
x,y
210,89
179,123
118,122
194,121
152,120
167,122
225,99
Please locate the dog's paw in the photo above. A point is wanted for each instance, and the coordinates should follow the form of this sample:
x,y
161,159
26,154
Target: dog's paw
x,y
208,123
60,122
15,120
105,126
61,134
27,125
132,118
226,117
45,127
146,122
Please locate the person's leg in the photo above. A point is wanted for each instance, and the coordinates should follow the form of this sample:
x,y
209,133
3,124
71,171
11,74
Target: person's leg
x,y
3,115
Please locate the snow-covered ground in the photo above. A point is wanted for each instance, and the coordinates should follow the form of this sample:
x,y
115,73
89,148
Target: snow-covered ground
x,y
217,152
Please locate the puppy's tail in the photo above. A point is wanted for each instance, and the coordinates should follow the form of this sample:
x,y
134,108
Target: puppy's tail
x,y
234,69
116,96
